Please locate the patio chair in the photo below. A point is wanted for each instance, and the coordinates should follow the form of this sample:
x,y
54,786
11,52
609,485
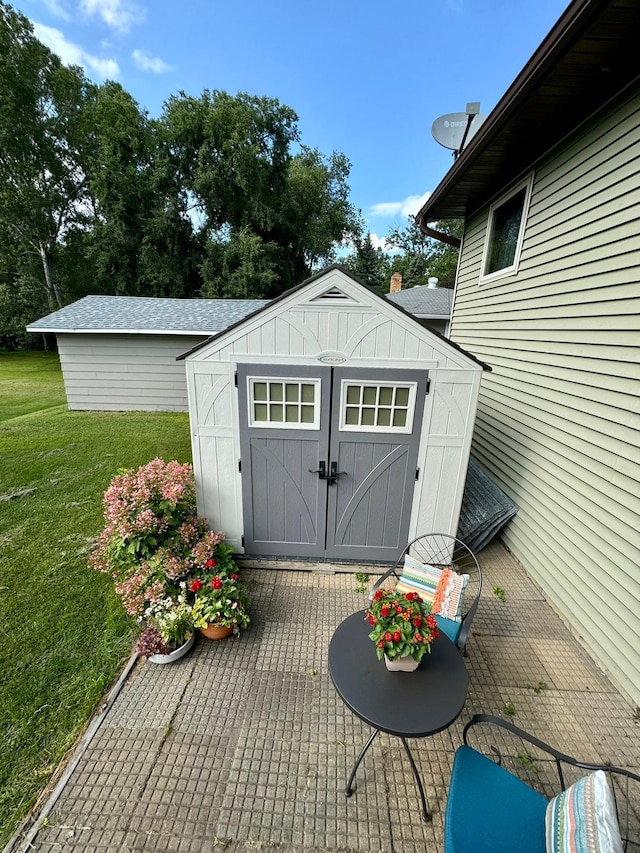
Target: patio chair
x,y
545,802
420,569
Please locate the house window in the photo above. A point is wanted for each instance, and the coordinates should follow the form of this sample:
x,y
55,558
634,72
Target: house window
x,y
372,406
284,403
505,233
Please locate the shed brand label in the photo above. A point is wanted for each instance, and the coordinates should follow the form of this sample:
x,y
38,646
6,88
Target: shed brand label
x,y
332,358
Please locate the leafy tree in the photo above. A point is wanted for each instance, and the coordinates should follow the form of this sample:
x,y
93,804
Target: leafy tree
x,y
316,214
443,258
423,256
142,240
43,135
234,154
241,267
369,265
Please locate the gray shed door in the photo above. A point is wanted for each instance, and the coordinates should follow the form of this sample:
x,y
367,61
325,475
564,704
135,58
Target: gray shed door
x,y
328,459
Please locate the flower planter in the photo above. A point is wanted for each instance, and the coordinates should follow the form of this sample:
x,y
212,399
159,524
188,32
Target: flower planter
x,y
176,654
407,664
216,632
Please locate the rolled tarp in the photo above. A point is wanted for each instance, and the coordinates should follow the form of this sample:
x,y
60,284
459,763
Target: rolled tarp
x,y
485,509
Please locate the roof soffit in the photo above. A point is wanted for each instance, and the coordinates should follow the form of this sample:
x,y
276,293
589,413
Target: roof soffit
x,y
586,60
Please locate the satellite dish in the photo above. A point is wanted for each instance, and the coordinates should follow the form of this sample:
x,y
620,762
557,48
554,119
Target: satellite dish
x,y
454,130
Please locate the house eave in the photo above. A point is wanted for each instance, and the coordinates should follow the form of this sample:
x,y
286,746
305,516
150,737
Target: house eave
x,y
588,57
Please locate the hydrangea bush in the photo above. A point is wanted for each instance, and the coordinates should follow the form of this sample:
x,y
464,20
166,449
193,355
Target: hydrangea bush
x,y
154,545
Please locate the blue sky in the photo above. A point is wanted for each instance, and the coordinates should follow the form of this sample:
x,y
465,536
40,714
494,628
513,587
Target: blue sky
x,y
367,80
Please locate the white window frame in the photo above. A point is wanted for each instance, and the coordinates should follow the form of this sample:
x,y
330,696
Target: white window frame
x,y
410,407
282,380
526,184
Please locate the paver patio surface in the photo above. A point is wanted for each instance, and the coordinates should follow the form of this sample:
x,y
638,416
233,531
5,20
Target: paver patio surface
x,y
244,745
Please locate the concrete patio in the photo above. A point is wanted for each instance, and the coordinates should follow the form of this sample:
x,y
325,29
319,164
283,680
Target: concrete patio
x,y
244,745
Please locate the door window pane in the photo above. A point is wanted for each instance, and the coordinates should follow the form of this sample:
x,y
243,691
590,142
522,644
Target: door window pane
x,y
368,417
369,396
260,391
402,397
400,418
370,406
260,412
386,396
284,403
353,394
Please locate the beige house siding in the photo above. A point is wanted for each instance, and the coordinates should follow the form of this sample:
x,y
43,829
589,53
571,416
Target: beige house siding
x,y
558,424
125,372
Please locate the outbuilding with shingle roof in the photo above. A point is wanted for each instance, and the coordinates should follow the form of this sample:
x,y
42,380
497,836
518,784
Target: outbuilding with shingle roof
x,y
119,353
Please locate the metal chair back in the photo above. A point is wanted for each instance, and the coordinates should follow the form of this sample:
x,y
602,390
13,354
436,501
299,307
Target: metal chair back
x,y
444,552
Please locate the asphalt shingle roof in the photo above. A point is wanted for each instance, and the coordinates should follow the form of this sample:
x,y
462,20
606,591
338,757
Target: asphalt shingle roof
x,y
424,301
145,314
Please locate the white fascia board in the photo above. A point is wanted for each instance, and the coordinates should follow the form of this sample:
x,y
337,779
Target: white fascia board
x,y
112,331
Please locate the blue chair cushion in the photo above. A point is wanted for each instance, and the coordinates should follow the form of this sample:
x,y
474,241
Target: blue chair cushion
x,y
449,627
489,810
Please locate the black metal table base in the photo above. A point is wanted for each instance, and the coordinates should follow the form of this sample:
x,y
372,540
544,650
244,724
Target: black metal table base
x,y
426,815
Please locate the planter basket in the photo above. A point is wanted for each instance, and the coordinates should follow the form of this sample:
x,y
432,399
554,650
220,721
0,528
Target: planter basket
x,y
176,654
407,664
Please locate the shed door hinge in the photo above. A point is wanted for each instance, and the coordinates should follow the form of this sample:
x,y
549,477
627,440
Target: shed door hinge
x,y
240,465
428,385
242,540
235,378
417,473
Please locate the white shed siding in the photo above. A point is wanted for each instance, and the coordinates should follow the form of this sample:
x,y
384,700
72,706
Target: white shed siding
x,y
125,372
215,441
558,423
362,335
365,332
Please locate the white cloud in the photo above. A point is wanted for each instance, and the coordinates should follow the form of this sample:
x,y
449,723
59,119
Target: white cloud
x,y
381,243
59,8
120,15
409,207
147,62
73,54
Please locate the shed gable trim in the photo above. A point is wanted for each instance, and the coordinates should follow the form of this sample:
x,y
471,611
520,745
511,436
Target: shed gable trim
x,y
359,296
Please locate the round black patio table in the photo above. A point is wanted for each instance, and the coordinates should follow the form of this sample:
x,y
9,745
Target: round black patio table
x,y
404,704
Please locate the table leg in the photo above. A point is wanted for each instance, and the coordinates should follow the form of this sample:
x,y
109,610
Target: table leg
x,y
349,790
426,816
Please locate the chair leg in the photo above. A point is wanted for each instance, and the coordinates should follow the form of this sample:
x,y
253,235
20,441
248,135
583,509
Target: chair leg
x,y
349,789
426,815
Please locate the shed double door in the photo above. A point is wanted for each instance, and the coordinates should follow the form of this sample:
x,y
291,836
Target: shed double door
x,y
328,459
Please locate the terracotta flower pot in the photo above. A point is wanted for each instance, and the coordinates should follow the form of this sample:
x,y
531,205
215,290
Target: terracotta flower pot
x,y
407,664
216,632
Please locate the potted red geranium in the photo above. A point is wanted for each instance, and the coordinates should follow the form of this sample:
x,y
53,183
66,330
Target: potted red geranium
x,y
403,628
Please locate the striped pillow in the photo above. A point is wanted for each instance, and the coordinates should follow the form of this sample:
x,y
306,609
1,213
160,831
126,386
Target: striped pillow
x,y
583,818
441,588
449,593
419,577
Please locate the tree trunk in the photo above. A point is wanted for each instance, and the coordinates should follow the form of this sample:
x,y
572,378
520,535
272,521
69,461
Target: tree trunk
x,y
55,300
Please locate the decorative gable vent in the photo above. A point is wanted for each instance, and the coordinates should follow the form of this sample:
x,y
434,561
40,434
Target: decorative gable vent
x,y
333,293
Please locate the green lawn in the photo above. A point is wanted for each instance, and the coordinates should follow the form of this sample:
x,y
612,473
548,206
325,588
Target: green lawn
x,y
64,635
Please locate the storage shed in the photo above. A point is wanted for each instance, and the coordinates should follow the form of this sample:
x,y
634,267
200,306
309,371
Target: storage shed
x,y
118,353
330,424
